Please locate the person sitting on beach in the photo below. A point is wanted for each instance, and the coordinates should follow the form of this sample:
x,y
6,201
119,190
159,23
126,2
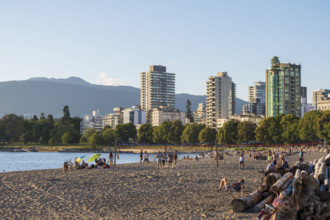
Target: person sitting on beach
x,y
146,158
235,186
77,165
284,165
84,165
271,167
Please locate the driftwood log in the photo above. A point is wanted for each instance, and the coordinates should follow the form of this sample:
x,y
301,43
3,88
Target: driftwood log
x,y
239,205
263,187
272,178
274,188
286,184
297,173
327,160
260,205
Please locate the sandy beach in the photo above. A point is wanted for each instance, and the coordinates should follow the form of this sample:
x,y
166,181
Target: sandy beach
x,y
187,191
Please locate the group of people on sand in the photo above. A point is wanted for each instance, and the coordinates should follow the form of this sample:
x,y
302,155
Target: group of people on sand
x,y
170,158
161,157
99,163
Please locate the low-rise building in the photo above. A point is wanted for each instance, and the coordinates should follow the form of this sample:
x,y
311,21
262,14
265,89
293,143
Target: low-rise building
x,y
321,99
256,119
158,115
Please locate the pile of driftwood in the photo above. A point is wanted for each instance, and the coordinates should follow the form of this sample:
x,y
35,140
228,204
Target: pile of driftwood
x,y
304,186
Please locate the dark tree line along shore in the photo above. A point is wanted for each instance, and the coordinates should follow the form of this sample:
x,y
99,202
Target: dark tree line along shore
x,y
313,127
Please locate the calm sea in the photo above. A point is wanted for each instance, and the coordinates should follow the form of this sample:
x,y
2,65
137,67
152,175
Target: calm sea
x,y
18,161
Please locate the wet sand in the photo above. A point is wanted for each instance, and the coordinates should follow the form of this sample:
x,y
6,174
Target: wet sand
x,y
187,191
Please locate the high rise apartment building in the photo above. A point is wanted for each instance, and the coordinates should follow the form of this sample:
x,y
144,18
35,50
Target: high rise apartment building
x,y
283,89
257,99
157,88
321,99
257,92
220,98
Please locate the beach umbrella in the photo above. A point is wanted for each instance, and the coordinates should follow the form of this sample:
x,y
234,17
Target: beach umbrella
x,y
79,159
93,157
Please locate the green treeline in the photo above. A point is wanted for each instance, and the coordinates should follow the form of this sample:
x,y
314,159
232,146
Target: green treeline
x,y
314,126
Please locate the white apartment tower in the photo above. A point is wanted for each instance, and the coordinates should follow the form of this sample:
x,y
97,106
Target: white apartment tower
x,y
220,98
157,89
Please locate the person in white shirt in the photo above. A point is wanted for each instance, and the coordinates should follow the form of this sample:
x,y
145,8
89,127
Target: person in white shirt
x,y
241,162
146,157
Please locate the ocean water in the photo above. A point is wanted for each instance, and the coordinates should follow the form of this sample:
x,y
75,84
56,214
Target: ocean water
x,y
18,161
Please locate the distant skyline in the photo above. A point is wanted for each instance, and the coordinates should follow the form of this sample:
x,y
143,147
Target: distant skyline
x,y
111,42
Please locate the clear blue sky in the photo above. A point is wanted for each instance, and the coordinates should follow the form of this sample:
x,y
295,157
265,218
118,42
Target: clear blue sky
x,y
111,42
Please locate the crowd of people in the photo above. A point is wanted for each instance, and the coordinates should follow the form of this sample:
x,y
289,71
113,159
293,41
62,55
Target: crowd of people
x,y
99,163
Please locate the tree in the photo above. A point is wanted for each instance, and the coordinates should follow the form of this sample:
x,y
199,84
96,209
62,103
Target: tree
x,y
67,138
161,134
94,140
323,126
188,111
42,115
228,133
308,126
60,129
50,119
290,131
175,132
125,131
191,132
275,62
11,127
207,135
35,118
88,132
145,134
245,132
268,130
108,135
66,114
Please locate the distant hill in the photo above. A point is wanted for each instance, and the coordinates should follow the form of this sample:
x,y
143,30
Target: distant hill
x,y
49,96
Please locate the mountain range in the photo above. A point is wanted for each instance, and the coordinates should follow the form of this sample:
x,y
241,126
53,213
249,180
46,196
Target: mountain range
x,y
49,95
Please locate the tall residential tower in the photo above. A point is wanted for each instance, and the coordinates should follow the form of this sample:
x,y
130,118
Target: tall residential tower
x,y
257,99
283,89
157,89
220,98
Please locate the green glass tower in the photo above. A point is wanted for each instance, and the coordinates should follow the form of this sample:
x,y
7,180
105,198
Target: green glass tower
x,y
283,85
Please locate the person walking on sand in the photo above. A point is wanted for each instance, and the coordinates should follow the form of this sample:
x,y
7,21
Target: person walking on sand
x,y
110,159
141,157
175,157
163,156
146,157
241,162
159,156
